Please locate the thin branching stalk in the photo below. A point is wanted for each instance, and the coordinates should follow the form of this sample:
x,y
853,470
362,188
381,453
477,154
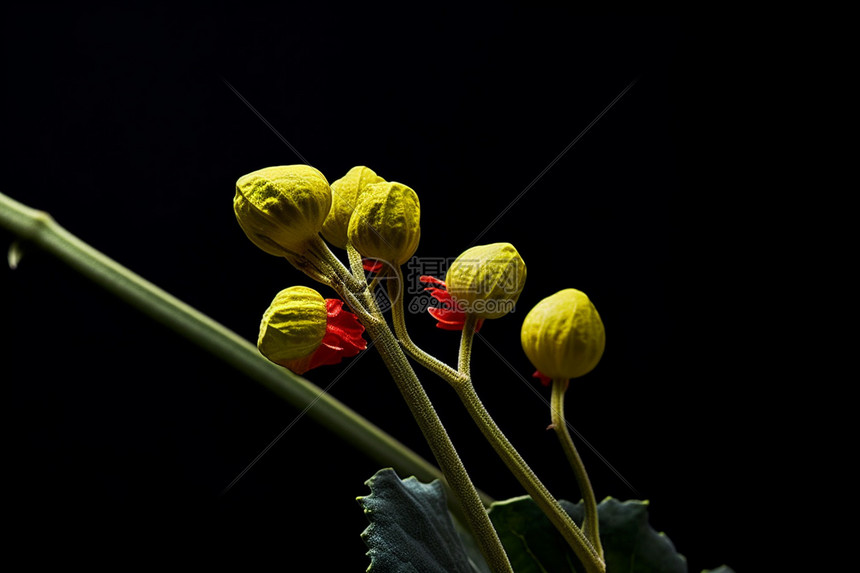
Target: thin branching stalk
x,y
474,512
399,320
581,546
590,525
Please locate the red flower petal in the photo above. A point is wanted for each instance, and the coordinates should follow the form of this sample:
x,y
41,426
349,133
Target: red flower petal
x,y
343,328
372,265
440,294
434,280
448,314
544,379
443,321
342,336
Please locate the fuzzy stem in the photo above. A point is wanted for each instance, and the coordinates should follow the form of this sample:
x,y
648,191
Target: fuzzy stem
x,y
583,549
590,526
464,357
319,248
368,293
440,444
355,262
399,320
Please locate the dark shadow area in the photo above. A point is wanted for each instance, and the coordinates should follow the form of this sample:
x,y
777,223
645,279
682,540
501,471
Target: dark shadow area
x,y
120,122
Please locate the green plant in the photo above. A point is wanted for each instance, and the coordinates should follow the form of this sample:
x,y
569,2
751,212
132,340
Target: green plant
x,y
531,533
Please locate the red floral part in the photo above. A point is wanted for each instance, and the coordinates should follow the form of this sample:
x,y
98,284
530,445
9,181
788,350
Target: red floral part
x,y
544,379
372,265
342,339
448,314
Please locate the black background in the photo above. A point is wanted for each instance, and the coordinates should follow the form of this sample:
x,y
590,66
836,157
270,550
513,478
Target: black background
x,y
120,122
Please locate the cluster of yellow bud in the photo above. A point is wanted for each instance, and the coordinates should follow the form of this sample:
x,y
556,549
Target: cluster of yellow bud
x,y
284,209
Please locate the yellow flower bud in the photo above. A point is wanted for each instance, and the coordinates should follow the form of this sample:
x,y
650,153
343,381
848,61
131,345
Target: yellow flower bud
x,y
487,280
293,326
563,335
346,193
282,208
386,223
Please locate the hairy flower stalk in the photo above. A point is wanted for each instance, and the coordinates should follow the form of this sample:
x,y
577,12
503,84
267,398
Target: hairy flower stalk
x,y
284,210
383,224
564,338
474,512
398,318
590,524
582,547
440,444
484,283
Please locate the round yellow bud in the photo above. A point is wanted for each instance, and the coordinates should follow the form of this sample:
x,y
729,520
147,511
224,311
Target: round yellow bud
x,y
487,280
345,194
293,326
386,223
563,335
282,208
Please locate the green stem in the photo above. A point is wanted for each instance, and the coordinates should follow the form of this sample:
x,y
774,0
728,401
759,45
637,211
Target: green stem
x,y
591,525
464,357
399,320
355,262
319,248
518,466
440,444
315,269
38,228
367,293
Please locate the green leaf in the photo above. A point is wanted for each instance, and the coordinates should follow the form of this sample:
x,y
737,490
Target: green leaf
x,y
532,543
720,569
630,544
411,530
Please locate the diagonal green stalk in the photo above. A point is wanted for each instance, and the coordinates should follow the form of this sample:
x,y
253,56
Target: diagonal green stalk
x,y
460,380
471,509
434,432
368,292
39,229
355,263
574,536
590,526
